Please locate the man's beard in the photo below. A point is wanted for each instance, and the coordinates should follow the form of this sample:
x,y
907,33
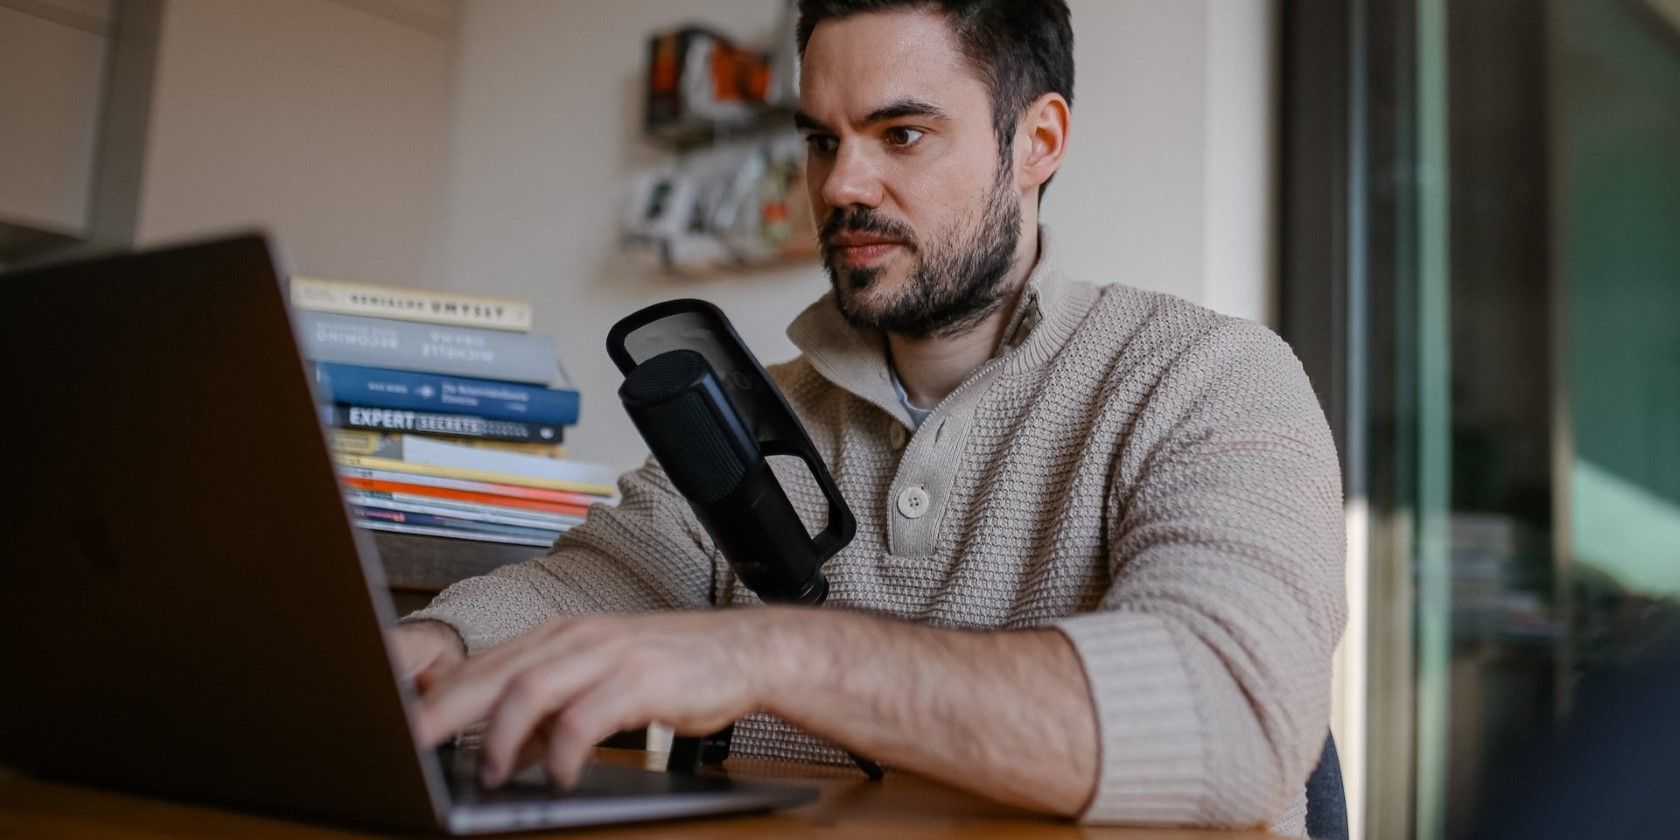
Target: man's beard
x,y
957,282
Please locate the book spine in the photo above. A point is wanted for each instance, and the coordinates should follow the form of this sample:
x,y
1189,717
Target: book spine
x,y
476,513
390,444
424,450
440,520
428,348
433,423
382,388
453,533
402,304
605,491
363,485
534,493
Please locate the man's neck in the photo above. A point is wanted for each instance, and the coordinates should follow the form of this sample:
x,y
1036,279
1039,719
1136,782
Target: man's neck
x,y
931,368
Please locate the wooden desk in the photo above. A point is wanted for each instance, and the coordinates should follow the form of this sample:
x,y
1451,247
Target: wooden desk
x,y
902,805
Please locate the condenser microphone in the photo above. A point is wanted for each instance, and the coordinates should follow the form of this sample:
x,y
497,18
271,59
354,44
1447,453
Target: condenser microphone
x,y
676,401
712,417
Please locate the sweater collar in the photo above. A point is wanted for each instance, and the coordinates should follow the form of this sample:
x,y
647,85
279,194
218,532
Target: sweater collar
x,y
855,358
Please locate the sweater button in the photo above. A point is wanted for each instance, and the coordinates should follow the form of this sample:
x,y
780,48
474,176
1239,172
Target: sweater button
x,y
899,436
913,502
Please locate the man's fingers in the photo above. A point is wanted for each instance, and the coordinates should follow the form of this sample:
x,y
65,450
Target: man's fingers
x,y
593,715
535,748
466,692
432,674
452,703
533,752
531,697
412,658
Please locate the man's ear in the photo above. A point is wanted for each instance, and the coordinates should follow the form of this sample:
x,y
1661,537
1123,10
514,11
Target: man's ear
x,y
1041,141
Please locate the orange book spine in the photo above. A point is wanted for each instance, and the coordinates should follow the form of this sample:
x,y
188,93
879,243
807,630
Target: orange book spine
x,y
465,496
561,497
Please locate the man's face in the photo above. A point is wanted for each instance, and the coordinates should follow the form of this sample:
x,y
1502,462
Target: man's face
x,y
918,213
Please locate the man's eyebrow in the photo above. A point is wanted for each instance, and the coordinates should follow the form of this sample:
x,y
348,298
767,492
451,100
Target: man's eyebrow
x,y
897,110
806,122
905,108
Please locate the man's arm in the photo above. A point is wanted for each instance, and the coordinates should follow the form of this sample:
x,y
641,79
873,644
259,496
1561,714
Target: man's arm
x,y
1005,714
1210,655
643,554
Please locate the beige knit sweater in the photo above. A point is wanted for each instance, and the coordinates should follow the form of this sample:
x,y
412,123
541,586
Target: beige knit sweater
x,y
1152,478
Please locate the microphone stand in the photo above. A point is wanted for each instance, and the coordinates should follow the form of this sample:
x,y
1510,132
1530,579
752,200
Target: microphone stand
x,y
688,752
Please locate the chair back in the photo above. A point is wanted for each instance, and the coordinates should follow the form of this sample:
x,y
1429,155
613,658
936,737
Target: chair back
x,y
1327,817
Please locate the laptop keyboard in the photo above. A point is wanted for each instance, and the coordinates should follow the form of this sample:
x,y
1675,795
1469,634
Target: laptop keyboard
x,y
460,767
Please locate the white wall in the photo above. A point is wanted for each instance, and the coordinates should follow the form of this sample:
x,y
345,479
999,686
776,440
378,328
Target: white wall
x,y
324,121
1239,180
1166,185
52,63
548,112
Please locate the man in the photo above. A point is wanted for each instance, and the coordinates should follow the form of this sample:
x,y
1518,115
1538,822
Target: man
x,y
1098,565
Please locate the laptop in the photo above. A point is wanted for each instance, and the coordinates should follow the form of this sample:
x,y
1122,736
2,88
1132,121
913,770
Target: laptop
x,y
185,608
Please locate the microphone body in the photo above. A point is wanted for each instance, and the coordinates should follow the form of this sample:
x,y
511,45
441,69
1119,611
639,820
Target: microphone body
x,y
694,430
754,527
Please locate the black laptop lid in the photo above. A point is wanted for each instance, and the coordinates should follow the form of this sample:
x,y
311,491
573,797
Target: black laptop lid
x,y
184,608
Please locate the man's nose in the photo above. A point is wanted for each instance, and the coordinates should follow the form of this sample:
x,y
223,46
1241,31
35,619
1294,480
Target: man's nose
x,y
852,181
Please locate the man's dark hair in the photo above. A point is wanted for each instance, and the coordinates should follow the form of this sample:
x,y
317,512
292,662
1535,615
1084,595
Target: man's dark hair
x,y
1021,49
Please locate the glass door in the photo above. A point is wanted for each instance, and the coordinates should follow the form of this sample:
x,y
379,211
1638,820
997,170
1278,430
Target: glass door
x,y
1548,360
1480,269
1616,177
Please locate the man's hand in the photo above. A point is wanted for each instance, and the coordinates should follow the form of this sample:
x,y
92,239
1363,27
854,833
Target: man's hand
x,y
425,650
555,692
1007,714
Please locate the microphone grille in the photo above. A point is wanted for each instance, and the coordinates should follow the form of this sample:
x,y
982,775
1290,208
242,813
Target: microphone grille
x,y
663,376
680,428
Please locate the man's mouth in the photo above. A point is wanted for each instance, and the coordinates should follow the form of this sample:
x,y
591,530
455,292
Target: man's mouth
x,y
861,250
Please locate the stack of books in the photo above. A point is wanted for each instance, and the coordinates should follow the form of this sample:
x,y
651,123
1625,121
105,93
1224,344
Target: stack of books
x,y
447,413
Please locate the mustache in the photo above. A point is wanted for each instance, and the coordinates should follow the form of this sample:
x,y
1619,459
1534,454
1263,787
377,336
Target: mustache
x,y
864,220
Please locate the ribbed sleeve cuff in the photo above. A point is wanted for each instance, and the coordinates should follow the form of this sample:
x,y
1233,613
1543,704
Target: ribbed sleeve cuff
x,y
1153,763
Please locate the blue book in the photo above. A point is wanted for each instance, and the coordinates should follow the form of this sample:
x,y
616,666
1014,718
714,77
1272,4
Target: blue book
x,y
488,398
447,424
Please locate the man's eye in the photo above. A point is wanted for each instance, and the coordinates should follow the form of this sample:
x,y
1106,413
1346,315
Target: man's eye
x,y
901,136
821,144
